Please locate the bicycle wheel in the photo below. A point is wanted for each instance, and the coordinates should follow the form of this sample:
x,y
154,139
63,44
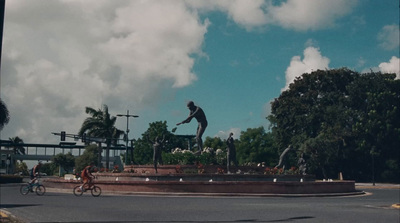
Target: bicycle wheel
x,y
40,190
24,189
77,191
96,191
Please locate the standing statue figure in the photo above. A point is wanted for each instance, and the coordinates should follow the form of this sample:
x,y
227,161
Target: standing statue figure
x,y
197,113
302,164
282,158
231,156
157,146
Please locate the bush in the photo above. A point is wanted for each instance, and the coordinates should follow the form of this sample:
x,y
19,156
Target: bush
x,y
179,158
22,168
90,155
188,158
49,168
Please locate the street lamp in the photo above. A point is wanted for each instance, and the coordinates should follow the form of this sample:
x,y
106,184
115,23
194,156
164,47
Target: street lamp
x,y
127,131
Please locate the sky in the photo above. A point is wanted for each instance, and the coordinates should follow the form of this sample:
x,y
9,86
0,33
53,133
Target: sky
x,y
231,57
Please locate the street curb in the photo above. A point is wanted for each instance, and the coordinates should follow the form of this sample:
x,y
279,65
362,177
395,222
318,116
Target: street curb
x,y
378,186
110,193
6,216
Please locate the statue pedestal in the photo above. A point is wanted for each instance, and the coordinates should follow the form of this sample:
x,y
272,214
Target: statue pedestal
x,y
185,179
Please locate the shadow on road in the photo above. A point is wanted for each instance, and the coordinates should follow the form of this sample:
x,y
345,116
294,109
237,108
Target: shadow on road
x,y
243,220
17,205
291,219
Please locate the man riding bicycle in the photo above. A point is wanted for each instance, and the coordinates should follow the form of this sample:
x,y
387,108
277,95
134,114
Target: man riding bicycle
x,y
34,172
87,176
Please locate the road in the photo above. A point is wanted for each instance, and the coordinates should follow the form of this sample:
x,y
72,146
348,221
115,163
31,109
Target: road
x,y
65,207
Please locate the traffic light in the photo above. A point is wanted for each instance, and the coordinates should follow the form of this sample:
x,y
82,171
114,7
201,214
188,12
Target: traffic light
x,y
84,137
62,135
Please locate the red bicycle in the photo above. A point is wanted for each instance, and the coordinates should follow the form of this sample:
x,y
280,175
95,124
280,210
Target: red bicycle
x,y
95,190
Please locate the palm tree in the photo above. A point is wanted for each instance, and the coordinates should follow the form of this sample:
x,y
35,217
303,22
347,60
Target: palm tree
x,y
17,149
101,125
4,115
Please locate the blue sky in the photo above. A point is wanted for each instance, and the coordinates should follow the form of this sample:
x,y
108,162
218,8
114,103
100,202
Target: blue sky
x,y
232,58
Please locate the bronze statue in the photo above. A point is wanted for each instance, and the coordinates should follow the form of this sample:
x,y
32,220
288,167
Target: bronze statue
x,y
231,156
197,113
282,158
302,165
157,146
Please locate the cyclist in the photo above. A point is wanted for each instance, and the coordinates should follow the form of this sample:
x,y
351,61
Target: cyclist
x,y
34,172
87,176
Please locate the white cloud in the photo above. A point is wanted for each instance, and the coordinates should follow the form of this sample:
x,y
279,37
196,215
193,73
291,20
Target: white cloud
x,y
389,37
290,14
310,14
247,13
61,56
360,62
393,66
225,134
313,60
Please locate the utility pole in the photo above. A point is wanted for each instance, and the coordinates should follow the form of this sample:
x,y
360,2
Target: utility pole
x,y
127,132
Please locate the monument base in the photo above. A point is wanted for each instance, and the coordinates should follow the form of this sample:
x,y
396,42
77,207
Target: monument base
x,y
144,181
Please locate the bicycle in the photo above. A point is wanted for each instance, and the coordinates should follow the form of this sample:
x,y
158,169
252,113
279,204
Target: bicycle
x,y
95,190
35,187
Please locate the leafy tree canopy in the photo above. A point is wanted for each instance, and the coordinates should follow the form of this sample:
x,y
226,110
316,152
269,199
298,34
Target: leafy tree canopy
x,y
4,114
66,161
143,148
339,118
256,146
102,125
88,156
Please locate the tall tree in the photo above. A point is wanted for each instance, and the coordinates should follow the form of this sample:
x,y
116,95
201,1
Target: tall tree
x,y
88,156
66,161
143,151
256,146
215,143
4,115
340,119
101,125
17,145
376,129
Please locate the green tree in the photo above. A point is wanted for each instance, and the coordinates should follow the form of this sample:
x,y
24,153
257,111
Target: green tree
x,y
101,125
66,161
4,115
17,148
21,167
338,118
143,149
49,168
88,156
215,143
256,146
375,101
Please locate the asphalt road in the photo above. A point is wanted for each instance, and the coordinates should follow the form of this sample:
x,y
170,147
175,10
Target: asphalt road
x,y
65,207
